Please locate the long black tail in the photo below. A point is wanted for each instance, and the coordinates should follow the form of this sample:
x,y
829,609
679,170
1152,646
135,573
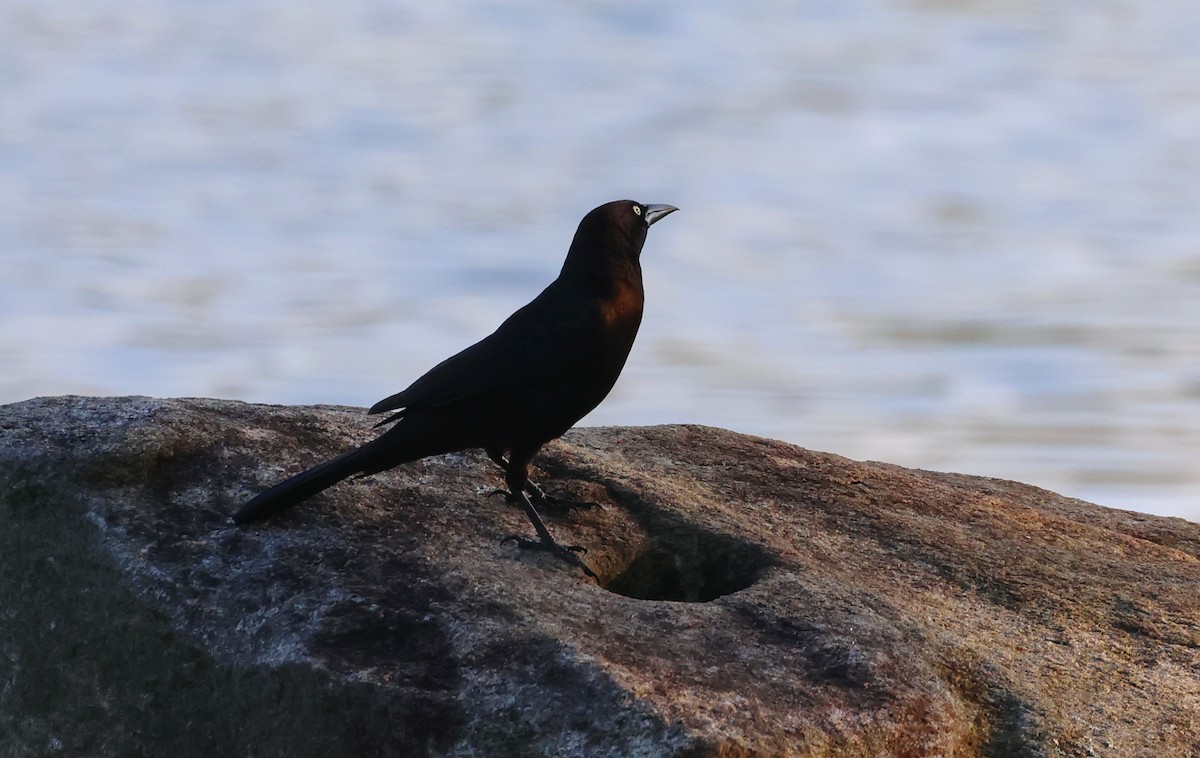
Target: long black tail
x,y
308,483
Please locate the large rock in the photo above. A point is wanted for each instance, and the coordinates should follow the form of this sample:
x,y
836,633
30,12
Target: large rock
x,y
755,599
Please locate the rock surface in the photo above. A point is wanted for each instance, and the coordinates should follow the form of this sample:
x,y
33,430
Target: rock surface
x,y
755,599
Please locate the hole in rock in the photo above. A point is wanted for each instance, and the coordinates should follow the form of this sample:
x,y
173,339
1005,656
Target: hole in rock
x,y
693,568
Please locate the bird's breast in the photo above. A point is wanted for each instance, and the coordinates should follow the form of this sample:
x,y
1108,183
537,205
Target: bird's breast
x,y
623,307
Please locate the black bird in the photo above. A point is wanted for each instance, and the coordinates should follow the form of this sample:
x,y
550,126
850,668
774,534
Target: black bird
x,y
546,367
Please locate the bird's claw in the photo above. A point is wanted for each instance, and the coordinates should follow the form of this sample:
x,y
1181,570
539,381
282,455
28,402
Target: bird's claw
x,y
526,544
542,500
568,553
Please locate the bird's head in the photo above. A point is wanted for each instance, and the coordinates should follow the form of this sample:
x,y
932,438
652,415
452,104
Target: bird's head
x,y
610,238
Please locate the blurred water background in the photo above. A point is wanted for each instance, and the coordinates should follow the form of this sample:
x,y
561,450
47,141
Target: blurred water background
x,y
953,234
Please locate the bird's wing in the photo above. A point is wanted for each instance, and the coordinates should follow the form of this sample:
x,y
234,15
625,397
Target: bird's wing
x,y
539,343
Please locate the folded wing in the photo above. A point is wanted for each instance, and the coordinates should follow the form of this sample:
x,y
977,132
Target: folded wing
x,y
539,343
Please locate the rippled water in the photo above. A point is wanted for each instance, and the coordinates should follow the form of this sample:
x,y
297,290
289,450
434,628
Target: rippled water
x,y
956,235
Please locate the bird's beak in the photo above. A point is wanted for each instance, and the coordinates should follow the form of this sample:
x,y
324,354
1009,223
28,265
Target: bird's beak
x,y
655,212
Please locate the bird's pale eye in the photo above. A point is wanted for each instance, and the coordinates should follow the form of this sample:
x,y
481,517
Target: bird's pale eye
x,y
637,209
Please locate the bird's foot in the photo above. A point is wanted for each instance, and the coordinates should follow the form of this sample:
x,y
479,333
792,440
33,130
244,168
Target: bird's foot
x,y
544,502
557,504
568,553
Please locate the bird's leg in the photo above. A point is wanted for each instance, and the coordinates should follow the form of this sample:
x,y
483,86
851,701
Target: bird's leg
x,y
516,477
568,553
537,495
